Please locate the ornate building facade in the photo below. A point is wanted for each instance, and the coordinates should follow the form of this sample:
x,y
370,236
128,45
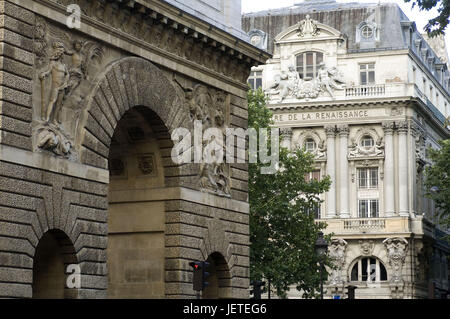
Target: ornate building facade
x,y
359,87
88,188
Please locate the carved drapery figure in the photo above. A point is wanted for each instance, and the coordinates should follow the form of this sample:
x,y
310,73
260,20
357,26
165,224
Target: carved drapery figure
x,y
329,78
396,252
357,150
337,254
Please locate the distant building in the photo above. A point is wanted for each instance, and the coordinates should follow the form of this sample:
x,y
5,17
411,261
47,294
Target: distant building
x,y
359,86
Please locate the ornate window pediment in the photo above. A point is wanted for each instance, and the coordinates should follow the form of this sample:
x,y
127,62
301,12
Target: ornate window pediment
x,y
366,143
311,142
308,29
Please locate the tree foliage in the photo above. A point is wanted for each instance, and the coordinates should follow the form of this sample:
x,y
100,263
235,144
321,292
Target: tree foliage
x,y
282,227
436,25
438,175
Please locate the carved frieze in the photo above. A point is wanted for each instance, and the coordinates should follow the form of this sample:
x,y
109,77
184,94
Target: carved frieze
x,y
150,26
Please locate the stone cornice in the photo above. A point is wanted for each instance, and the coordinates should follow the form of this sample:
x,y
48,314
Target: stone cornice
x,y
172,35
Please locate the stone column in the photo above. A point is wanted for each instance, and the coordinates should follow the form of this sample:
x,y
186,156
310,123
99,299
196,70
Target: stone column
x,y
286,137
389,203
343,131
331,170
403,168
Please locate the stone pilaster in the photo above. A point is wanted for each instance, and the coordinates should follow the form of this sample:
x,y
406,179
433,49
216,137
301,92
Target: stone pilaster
x,y
343,132
389,203
286,137
402,149
331,170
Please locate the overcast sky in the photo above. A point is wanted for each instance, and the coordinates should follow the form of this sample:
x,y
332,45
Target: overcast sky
x,y
420,17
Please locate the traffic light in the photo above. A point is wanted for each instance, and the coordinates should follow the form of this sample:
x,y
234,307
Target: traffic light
x,y
258,289
351,292
200,274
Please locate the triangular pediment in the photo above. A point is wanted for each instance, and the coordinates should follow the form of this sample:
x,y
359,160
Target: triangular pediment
x,y
307,30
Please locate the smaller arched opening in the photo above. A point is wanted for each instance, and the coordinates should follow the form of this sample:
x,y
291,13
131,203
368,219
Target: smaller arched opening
x,y
219,279
368,269
53,256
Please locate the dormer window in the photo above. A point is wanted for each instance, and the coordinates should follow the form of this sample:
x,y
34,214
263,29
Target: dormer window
x,y
308,64
367,32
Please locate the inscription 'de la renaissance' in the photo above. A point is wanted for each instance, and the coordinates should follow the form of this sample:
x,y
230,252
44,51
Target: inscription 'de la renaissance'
x,y
316,116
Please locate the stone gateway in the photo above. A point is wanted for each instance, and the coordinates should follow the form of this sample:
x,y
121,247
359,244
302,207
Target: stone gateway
x,y
86,175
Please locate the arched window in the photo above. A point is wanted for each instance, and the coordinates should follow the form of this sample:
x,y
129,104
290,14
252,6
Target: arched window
x,y
367,142
310,145
308,64
368,269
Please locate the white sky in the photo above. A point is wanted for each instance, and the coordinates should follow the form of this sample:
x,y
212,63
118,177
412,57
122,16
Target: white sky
x,y
420,17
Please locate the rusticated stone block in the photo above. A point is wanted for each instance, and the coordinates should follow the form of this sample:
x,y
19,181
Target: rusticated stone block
x,y
15,53
16,39
15,140
16,67
14,96
16,26
15,82
16,12
15,290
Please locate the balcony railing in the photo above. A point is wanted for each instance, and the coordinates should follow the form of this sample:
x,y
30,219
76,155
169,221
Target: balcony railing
x,y
365,223
366,90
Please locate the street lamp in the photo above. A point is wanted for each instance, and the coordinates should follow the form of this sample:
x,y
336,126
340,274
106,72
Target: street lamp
x,y
321,248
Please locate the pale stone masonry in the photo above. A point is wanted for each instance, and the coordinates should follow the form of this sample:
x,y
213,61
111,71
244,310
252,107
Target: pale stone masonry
x,y
86,175
357,85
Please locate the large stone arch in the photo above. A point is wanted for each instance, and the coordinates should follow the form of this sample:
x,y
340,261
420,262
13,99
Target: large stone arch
x,y
125,84
53,254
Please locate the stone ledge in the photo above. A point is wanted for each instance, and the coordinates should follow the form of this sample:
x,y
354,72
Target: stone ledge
x,y
53,164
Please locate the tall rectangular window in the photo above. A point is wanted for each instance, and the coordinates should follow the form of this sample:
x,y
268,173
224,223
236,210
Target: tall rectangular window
x,y
368,208
368,178
308,64
367,73
255,80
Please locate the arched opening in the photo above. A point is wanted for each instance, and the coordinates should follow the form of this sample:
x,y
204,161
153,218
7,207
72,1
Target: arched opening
x,y
368,269
53,255
139,152
219,279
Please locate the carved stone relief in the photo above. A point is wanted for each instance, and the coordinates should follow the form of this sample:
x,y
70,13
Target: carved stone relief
x,y
356,149
212,108
366,247
288,84
396,253
146,164
320,151
308,28
66,66
337,254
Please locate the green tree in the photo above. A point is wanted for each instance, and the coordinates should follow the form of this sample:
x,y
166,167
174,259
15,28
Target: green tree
x,y
282,227
438,24
437,180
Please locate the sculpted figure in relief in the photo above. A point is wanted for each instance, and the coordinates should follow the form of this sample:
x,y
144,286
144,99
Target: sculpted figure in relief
x,y
289,84
59,84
